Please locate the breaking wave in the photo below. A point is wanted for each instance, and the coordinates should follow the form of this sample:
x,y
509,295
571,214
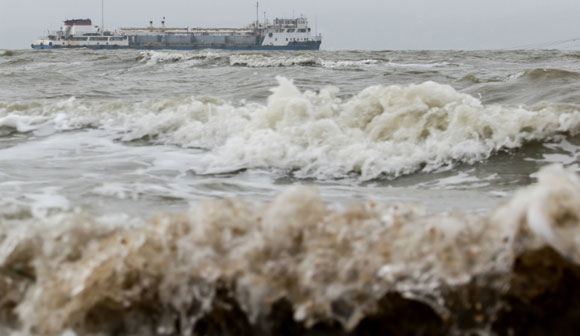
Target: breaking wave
x,y
256,60
348,64
7,53
259,61
18,124
541,75
382,131
420,65
228,267
157,57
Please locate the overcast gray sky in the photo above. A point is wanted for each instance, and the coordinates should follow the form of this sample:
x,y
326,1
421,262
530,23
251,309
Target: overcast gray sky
x,y
360,24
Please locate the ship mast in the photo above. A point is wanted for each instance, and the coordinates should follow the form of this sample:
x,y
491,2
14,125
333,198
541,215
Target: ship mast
x,y
257,15
103,17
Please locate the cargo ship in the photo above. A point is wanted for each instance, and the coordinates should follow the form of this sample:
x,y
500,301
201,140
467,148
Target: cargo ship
x,y
279,34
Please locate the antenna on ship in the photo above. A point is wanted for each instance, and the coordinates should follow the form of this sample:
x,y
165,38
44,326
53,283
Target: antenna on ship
x,y
103,16
257,14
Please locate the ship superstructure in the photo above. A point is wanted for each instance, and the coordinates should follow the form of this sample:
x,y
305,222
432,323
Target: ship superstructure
x,y
280,34
81,33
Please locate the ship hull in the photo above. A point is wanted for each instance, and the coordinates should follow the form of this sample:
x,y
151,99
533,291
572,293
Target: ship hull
x,y
299,46
103,47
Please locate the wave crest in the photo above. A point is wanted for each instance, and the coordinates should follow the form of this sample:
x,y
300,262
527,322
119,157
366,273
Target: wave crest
x,y
156,57
260,61
253,60
7,53
382,131
391,131
549,75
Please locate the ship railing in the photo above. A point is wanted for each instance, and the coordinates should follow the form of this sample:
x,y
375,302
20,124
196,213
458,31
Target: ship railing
x,y
144,31
181,29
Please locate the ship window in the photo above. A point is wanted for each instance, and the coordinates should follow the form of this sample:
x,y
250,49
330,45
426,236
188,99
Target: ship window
x,y
291,30
79,39
302,30
270,34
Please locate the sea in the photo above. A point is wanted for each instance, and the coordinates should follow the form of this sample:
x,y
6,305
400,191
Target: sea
x,y
140,190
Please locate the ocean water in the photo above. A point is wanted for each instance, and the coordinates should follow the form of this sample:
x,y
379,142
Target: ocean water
x,y
134,179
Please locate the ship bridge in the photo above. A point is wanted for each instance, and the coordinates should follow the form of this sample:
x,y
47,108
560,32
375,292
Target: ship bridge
x,y
283,32
291,23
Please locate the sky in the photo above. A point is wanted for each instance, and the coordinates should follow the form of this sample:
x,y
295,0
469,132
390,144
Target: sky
x,y
360,24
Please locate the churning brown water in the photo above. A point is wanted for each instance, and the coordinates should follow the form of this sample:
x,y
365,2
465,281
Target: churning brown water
x,y
214,193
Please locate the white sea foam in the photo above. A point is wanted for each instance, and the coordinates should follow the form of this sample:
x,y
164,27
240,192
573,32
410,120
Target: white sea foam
x,y
47,201
419,65
260,61
159,57
19,123
333,64
383,130
461,180
561,152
